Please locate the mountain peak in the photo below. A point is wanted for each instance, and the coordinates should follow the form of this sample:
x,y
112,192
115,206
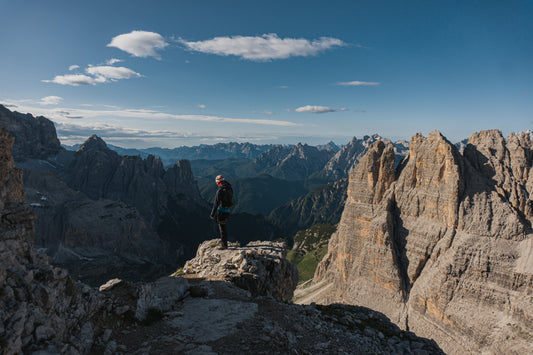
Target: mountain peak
x,y
93,143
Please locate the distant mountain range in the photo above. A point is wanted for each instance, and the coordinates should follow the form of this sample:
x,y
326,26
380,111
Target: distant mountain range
x,y
217,151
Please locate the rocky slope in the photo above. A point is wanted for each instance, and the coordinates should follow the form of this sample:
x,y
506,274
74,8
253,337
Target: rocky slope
x,y
322,205
92,238
40,305
442,246
35,137
292,163
169,200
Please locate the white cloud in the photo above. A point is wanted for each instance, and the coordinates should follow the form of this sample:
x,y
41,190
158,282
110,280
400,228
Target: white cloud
x,y
73,79
139,43
267,112
113,61
113,73
358,83
51,100
317,109
72,67
59,114
263,48
99,74
202,106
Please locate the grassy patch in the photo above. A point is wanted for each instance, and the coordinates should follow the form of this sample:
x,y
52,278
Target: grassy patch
x,y
307,263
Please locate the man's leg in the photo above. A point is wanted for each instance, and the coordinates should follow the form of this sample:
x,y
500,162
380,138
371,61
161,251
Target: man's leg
x,y
223,234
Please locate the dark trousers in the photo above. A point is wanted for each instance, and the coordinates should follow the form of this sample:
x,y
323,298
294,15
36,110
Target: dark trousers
x,y
222,220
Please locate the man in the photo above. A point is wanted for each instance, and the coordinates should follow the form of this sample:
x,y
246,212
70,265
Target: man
x,y
222,208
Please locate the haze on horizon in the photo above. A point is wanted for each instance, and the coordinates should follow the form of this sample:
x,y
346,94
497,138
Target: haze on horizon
x,y
141,74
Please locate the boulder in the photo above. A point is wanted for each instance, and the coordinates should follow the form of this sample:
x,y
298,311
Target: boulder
x,y
260,267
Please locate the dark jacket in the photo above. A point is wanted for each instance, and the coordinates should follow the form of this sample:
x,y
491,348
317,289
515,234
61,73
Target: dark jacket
x,y
218,199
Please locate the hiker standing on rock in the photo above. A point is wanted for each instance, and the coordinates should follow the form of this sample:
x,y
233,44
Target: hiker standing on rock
x,y
222,208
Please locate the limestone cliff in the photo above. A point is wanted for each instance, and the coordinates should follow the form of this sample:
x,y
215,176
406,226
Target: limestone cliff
x,y
443,245
35,137
40,305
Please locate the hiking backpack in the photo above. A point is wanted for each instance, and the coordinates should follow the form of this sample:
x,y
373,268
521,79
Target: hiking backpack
x,y
226,196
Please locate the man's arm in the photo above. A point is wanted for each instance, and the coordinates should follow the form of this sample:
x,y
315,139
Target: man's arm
x,y
215,204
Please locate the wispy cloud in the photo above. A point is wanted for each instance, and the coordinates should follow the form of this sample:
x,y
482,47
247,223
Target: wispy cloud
x,y
358,83
74,80
113,61
317,109
139,43
97,75
113,73
72,67
51,100
263,48
59,114
72,133
202,106
266,112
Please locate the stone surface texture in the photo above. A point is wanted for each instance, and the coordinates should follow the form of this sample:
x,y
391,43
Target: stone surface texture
x,y
40,305
442,245
259,267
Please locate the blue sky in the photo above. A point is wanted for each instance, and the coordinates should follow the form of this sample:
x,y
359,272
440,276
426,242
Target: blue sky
x,y
172,73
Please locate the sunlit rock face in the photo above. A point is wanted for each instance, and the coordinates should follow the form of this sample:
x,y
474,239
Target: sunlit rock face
x,y
443,244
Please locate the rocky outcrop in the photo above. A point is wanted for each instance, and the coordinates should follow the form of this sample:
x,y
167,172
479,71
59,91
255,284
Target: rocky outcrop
x,y
322,205
443,244
35,137
259,267
41,307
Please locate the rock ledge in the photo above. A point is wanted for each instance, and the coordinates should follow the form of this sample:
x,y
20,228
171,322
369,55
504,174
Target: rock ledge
x,y
260,267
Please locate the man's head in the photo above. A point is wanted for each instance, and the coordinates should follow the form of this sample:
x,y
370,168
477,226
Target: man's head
x,y
219,180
